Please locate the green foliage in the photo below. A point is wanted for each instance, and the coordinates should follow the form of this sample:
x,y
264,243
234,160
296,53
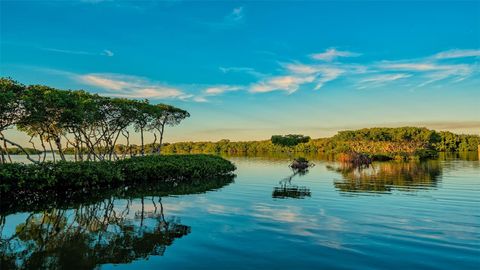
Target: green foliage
x,y
88,123
97,174
389,135
450,142
379,143
289,140
10,99
174,167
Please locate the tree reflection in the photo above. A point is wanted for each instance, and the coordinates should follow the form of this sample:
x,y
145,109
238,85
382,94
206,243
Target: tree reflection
x,y
122,226
91,235
383,177
13,203
288,190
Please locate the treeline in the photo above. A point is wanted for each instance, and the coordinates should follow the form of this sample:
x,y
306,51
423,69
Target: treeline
x,y
87,124
390,142
387,141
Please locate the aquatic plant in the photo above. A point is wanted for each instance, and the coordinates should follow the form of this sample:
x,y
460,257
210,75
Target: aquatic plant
x,y
354,158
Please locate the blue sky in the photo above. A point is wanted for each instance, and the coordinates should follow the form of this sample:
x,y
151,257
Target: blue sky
x,y
247,70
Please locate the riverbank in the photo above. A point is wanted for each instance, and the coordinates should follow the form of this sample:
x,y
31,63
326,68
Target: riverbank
x,y
18,178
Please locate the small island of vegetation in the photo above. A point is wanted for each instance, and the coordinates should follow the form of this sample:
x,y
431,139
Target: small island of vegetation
x,y
89,126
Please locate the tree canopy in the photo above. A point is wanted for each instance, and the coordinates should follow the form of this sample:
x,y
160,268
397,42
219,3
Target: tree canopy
x,y
289,140
89,123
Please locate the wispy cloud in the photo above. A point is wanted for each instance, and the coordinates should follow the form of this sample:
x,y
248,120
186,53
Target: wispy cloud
x,y
419,72
457,54
119,85
102,53
236,15
247,70
217,90
288,83
381,80
294,75
107,53
332,54
232,19
430,71
200,99
385,78
95,1
327,75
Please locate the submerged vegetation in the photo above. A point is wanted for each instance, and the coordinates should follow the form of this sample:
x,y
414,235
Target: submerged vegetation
x,y
288,190
17,180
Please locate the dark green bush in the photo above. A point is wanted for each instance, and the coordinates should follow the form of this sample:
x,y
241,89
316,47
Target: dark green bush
x,y
289,140
98,174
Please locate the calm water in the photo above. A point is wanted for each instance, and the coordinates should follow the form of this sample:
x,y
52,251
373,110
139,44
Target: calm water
x,y
392,215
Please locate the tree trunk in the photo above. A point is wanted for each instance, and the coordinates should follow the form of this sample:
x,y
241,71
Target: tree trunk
x,y
161,139
5,140
59,147
2,156
43,147
51,150
141,137
154,142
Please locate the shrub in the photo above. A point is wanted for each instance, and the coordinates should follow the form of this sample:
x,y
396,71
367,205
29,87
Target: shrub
x,y
99,174
289,140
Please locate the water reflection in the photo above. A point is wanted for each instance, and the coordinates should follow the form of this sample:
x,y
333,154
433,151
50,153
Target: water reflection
x,y
13,203
288,190
90,235
116,229
383,177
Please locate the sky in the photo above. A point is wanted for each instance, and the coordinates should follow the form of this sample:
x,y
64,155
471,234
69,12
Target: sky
x,y
248,70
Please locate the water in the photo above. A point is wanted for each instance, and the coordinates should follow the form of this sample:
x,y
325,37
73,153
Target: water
x,y
423,215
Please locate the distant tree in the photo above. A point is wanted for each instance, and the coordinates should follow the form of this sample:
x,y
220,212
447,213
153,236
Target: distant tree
x,y
289,140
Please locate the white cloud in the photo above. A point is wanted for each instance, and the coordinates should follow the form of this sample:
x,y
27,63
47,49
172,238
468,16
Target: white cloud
x,y
328,74
237,14
385,78
95,1
302,68
288,83
247,70
217,90
200,99
232,19
322,73
430,71
409,66
119,85
107,53
103,53
457,54
332,53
